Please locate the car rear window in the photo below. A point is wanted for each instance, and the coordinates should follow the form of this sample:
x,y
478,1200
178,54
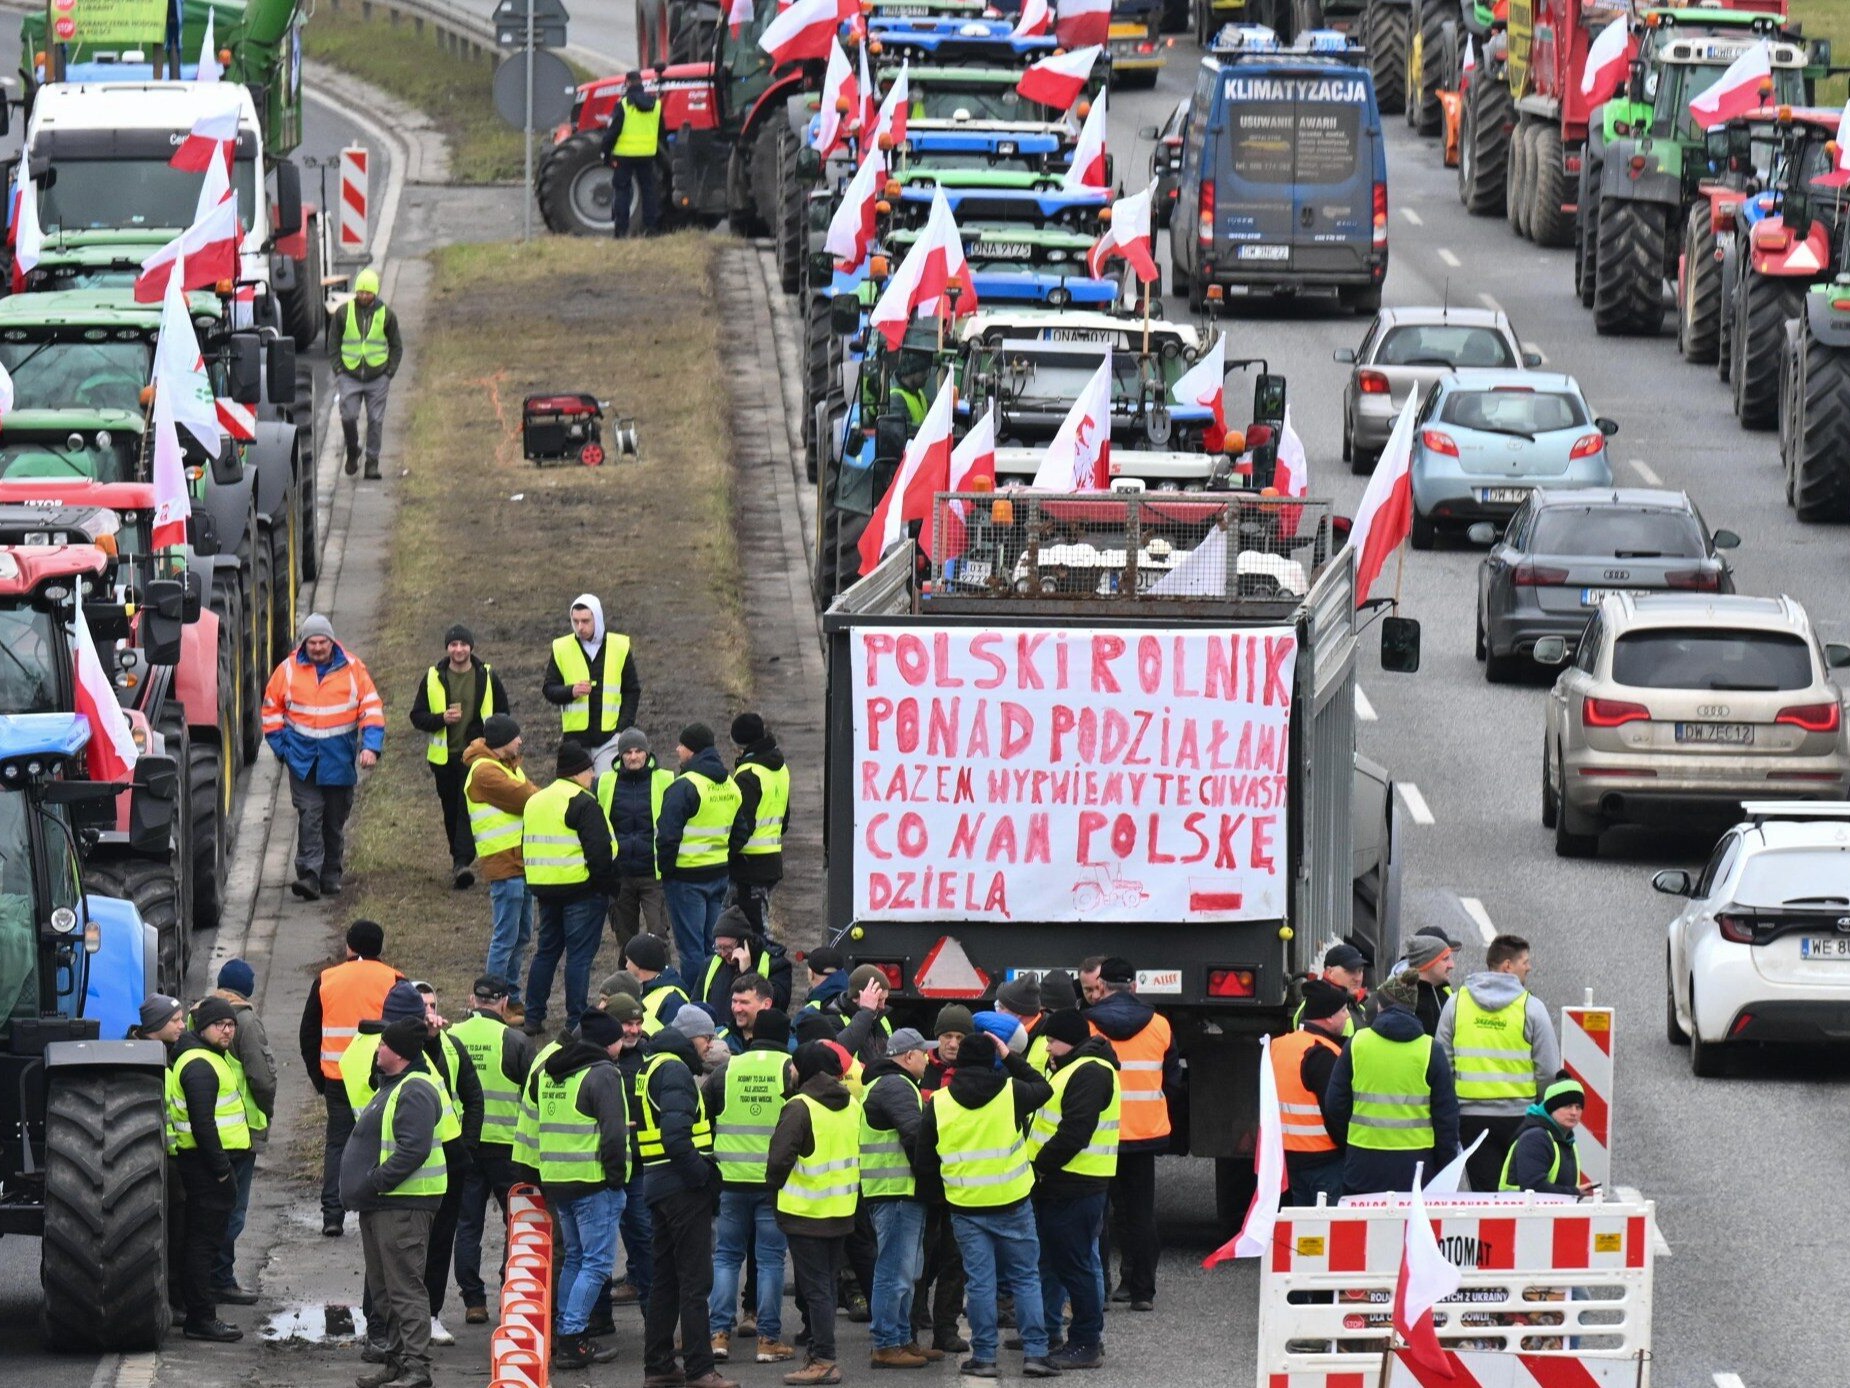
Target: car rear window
x,y
1293,142
1616,533
1713,658
1436,343
1513,411
1817,876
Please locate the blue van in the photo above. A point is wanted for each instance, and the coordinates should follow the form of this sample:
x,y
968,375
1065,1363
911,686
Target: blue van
x,y
1284,173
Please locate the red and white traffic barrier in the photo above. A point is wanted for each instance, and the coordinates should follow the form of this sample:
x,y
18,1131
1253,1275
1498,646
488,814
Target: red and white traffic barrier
x,y
354,162
520,1350
1473,1370
1586,1053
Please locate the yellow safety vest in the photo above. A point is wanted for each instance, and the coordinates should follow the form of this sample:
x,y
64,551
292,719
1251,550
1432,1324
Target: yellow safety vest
x,y
568,1140
1099,1157
356,1077
368,348
437,745
773,804
641,135
1508,1179
495,830
253,1115
569,656
484,1040
550,850
980,1151
827,1183
1392,1111
914,402
654,1000
885,1172
705,835
754,1098
1490,1058
605,788
527,1128
432,1177
228,1112
649,1143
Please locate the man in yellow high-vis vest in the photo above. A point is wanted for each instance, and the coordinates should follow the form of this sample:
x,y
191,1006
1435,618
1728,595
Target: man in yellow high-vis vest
x,y
565,845
591,678
891,1111
1391,1098
630,148
692,837
755,851
631,793
501,1057
206,1111
452,702
364,343
495,793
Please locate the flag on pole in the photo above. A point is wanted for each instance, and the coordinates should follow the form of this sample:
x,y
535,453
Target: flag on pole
x,y
1385,517
213,131
216,187
804,30
1078,23
1451,1177
1058,81
739,13
1426,1279
869,106
27,241
1839,173
973,458
1746,86
209,68
1205,383
173,506
1079,458
112,752
1036,20
934,263
921,476
836,107
891,119
180,371
209,248
851,229
1255,1237
1608,60
6,392
1127,237
1087,168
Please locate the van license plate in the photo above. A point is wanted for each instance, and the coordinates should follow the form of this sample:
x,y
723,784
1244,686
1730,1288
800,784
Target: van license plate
x,y
1735,734
1506,496
1824,947
1264,252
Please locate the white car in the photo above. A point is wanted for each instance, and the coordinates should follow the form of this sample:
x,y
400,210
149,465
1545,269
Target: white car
x,y
1761,951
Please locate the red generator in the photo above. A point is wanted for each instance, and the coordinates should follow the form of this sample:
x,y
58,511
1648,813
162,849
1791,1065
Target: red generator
x,y
562,429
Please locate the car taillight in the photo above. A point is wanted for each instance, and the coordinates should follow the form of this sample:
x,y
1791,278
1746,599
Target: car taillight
x,y
1437,442
1771,236
1812,718
1587,445
1380,216
1612,713
1695,580
1204,230
1230,983
1373,383
1536,576
1740,929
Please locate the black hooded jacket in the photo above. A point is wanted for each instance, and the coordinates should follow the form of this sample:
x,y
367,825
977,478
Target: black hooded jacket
x,y
199,1087
755,867
1087,1095
972,1086
672,1096
794,1139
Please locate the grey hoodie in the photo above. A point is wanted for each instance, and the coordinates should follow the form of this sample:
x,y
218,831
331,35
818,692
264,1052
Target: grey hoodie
x,y
1493,992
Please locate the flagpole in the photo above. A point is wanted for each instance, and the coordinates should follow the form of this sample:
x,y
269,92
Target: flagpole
x,y
1400,569
1146,318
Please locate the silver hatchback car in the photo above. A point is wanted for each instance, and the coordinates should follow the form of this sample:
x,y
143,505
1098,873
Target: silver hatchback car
x,y
1678,708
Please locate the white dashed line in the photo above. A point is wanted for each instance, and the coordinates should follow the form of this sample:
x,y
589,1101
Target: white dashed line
x,y
1363,709
1412,216
1659,1244
1414,801
1489,301
1728,1380
1479,917
1646,471
1450,259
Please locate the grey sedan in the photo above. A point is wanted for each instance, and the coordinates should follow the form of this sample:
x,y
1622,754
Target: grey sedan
x,y
1564,551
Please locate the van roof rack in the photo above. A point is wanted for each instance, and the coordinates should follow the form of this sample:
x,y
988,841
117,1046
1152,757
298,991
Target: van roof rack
x,y
1259,41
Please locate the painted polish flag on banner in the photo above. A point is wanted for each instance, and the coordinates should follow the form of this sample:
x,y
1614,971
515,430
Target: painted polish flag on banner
x,y
973,458
1608,60
1128,237
1080,23
212,132
851,229
1746,86
838,104
1058,81
933,264
739,13
172,504
209,248
1385,517
1087,169
1079,458
1036,20
1205,383
891,120
1426,1279
805,30
209,69
1255,1237
112,751
921,476
180,372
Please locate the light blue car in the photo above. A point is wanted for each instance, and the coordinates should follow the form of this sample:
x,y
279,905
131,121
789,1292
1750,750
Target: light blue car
x,y
1484,439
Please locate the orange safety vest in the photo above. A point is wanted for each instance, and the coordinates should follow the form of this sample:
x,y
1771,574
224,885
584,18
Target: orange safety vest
x,y
351,993
319,708
1145,1112
1303,1119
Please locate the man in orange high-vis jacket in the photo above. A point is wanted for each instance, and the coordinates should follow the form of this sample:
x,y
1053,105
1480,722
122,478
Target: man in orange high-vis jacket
x,y
323,719
1301,1065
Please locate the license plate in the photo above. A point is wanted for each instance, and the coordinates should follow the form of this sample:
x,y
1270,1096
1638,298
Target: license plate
x,y
975,571
1734,734
1508,496
1590,597
1000,250
1824,947
1264,252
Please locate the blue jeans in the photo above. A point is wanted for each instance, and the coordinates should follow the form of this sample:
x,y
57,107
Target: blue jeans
x,y
572,928
588,1229
1070,1267
491,1174
1001,1247
743,1214
637,1233
225,1268
512,907
899,1225
693,909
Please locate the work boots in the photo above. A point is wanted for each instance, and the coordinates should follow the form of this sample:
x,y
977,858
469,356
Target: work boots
x,y
350,434
580,1352
898,1357
372,468
379,1377
814,1372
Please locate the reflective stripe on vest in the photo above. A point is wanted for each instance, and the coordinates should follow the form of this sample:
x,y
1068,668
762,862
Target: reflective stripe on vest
x,y
234,1130
1508,1180
885,1172
761,965
350,994
1393,1102
253,1115
549,849
1099,1157
773,803
654,1000
485,1040
527,1126
432,1177
754,1098
704,837
568,1140
827,1183
1303,1119
649,1129
569,656
1490,1057
641,134
495,830
449,1126
1140,1076
437,745
981,1152
368,348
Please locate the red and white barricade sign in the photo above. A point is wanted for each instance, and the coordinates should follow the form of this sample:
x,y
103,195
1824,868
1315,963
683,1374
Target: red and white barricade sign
x,y
354,162
520,1350
1586,1054
1544,1278
1473,1370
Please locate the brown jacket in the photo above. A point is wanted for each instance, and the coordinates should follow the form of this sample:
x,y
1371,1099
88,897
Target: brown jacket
x,y
495,786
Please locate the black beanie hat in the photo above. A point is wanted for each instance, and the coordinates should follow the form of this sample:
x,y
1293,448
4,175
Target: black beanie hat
x,y
600,1029
1058,991
1564,1091
1068,1025
647,951
813,1026
459,632
1322,999
498,730
573,760
366,938
772,1025
747,728
696,737
405,1039
211,1010
817,1058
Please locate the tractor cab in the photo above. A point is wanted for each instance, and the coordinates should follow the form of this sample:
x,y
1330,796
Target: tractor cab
x,y
950,43
1026,265
1075,209
959,96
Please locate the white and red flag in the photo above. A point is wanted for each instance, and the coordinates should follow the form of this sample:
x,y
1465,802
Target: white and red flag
x,y
934,263
891,118
1385,517
805,30
1058,81
1426,1279
1608,60
851,229
216,187
1087,169
23,233
216,130
1036,20
1292,475
739,13
1746,86
112,753
1079,458
1255,1237
922,474
973,458
1128,237
209,69
839,104
1205,383
868,108
173,505
208,248
1839,173
1079,23
180,372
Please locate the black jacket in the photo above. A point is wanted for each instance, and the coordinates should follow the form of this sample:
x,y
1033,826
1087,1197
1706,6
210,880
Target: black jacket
x,y
674,1096
557,690
585,818
771,961
755,867
632,821
1120,1016
607,148
1537,1141
892,1103
199,1087
973,1087
796,1137
1088,1093
1368,1170
427,722
394,345
601,1097
678,805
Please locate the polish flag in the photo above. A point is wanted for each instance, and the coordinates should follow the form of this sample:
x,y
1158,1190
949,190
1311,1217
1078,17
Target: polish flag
x,y
1291,476
1385,517
1451,1177
1036,20
1426,1279
1469,64
1839,174
209,248
6,392
840,99
805,30
1128,237
1608,60
112,751
891,120
851,229
739,13
932,265
1079,23
869,107
1058,81
1255,1237
215,189
209,68
1746,86
172,505
1087,169
23,232
973,458
1205,383
180,372
213,131
1079,458
922,474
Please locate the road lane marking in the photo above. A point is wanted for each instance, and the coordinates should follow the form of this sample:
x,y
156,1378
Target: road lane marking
x,y
1659,1244
1489,301
1479,917
1363,709
1728,1380
1414,801
1412,216
1646,471
1449,258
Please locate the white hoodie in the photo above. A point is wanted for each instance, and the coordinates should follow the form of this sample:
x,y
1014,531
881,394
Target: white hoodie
x,y
590,601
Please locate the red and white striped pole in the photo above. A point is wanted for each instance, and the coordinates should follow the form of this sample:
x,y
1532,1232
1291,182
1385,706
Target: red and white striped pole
x,y
354,162
1586,1053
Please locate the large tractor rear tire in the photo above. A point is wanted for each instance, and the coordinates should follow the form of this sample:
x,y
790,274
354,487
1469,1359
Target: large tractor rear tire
x,y
787,226
1699,294
103,1259
1820,431
1549,223
211,831
1586,227
1385,28
301,306
228,605
1629,269
818,378
1426,66
1484,145
285,559
257,638
573,186
1519,185
1759,334
154,886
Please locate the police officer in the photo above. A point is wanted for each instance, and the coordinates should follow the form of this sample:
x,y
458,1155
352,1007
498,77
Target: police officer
x,y
1391,1097
692,836
206,1109
365,333
565,846
592,678
1302,1062
630,147
459,694
756,849
502,1058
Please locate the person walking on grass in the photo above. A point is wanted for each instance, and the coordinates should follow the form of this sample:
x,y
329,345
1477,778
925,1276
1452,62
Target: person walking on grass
x,y
459,694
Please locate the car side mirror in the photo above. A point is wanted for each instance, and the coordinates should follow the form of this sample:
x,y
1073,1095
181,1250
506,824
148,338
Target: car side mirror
x,y
1672,882
163,620
1345,355
1836,654
1725,539
279,371
1269,399
1482,533
844,314
891,434
1550,650
1608,427
1144,132
245,368
227,465
288,200
1531,359
821,267
152,805
1400,645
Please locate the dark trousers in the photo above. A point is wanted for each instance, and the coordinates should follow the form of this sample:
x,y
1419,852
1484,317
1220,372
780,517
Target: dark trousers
x,y
861,1249
320,831
938,1299
340,1128
443,1228
456,832
209,1201
754,898
394,1243
1485,1168
1069,1265
225,1269
817,1263
641,174
1133,1200
681,1280
490,1174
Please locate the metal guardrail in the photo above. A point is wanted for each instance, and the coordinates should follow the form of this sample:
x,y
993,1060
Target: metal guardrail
x,y
459,32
